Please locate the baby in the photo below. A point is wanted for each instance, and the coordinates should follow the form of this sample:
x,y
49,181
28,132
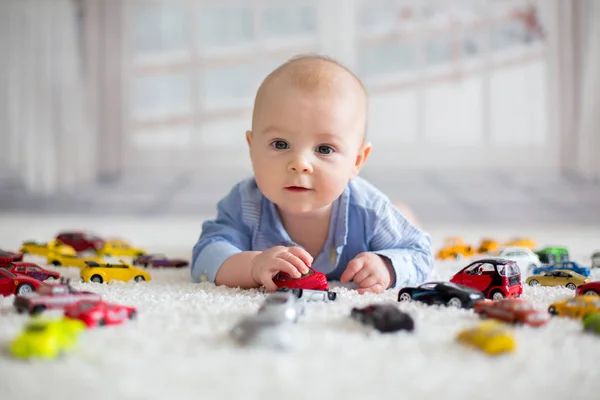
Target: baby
x,y
306,205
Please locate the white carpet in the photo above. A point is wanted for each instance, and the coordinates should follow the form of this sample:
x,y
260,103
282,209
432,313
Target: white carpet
x,y
179,349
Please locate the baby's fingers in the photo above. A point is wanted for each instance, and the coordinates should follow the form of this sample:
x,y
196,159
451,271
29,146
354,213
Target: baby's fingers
x,y
303,255
351,270
267,281
368,281
376,288
291,264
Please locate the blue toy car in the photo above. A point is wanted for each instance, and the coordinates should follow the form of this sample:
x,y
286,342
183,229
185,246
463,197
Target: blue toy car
x,y
569,265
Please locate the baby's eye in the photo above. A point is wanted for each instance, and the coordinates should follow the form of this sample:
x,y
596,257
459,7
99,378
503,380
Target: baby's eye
x,y
323,149
280,145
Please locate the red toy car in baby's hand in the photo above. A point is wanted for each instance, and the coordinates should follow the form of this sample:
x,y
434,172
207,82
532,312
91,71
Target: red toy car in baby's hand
x,y
100,313
311,280
497,278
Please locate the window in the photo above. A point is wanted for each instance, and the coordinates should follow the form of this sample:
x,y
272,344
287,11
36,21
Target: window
x,y
428,286
34,268
21,269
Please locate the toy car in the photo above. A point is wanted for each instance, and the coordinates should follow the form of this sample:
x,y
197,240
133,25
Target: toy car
x,y
521,242
47,338
119,248
32,270
81,241
495,278
282,307
50,297
487,245
65,260
491,336
551,255
567,265
7,257
159,260
577,307
16,283
311,295
446,293
260,330
559,277
596,260
311,280
100,313
383,317
591,323
588,289
526,259
515,311
454,248
105,272
43,249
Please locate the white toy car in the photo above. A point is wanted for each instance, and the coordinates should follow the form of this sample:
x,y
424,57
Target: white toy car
x,y
526,259
260,330
311,295
282,307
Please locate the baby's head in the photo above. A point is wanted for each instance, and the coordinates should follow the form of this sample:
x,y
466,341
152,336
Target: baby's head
x,y
308,131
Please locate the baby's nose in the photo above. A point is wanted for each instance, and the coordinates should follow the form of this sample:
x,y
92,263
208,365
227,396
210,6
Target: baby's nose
x,y
300,164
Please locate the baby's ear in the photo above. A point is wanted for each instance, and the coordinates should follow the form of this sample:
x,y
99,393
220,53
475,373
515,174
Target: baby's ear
x,y
249,138
361,157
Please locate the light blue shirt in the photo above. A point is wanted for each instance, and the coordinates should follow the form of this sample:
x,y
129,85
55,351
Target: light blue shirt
x,y
363,219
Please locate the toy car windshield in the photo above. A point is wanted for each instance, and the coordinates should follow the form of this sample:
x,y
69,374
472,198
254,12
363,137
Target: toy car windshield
x,y
92,264
276,300
35,328
509,270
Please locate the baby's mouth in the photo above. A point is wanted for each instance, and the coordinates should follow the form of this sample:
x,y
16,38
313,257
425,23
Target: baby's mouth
x,y
297,189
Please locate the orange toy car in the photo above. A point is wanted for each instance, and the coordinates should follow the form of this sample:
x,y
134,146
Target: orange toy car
x,y
521,242
455,248
515,311
487,245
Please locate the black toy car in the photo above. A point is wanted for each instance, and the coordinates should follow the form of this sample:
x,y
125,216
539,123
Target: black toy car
x,y
383,317
447,293
311,295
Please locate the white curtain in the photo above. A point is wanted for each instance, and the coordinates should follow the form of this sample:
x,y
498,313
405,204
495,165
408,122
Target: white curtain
x,y
45,136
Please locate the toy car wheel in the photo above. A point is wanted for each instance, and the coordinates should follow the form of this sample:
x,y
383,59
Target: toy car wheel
x,y
96,279
455,302
533,282
37,310
132,315
405,297
51,278
101,322
483,315
332,296
497,295
25,288
571,286
590,292
139,278
56,263
552,310
458,256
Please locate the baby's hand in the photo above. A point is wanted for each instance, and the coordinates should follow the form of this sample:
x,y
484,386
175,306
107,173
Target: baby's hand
x,y
371,272
293,260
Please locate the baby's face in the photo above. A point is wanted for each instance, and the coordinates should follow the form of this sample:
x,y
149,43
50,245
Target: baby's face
x,y
305,147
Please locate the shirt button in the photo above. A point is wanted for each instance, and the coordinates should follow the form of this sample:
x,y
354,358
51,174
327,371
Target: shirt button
x,y
203,278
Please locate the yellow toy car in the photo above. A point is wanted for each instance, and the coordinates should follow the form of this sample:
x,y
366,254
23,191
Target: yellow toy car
x,y
490,336
119,248
105,272
60,260
455,248
487,245
47,339
44,249
558,277
521,242
576,307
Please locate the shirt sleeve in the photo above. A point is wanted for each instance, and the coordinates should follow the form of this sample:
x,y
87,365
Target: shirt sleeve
x,y
407,247
220,238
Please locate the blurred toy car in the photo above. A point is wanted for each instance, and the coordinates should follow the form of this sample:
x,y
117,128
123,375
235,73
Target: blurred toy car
x,y
559,277
106,272
526,259
50,296
454,248
262,331
552,255
119,248
159,260
311,280
7,257
282,307
311,295
596,260
487,245
495,278
81,241
383,317
567,265
491,336
588,289
43,249
32,270
66,260
16,283
591,323
577,307
521,242
100,313
47,338
446,293
515,311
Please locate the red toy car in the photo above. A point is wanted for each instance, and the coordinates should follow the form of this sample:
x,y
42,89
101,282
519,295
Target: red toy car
x,y
81,241
32,270
515,311
6,257
159,260
591,288
311,280
100,313
16,283
496,278
51,296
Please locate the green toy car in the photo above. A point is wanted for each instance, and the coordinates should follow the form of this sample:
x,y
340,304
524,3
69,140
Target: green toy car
x,y
591,323
553,255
